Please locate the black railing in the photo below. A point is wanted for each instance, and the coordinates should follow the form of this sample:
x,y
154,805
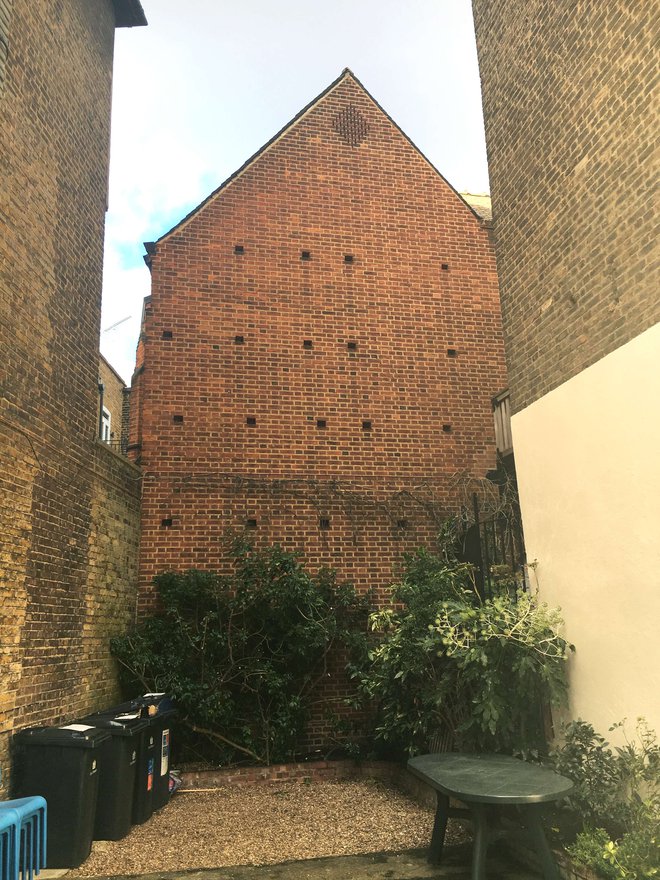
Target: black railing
x,y
494,545
120,446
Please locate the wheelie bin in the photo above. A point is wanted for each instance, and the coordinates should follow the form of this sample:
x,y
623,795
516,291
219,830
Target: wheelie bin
x,y
159,711
119,768
161,724
62,765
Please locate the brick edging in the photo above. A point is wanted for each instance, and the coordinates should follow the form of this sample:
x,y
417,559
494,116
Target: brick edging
x,y
309,771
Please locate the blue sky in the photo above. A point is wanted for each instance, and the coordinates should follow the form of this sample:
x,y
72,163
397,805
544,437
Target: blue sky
x,y
208,82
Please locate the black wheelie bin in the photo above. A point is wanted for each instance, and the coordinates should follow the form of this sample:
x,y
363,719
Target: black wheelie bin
x,y
62,764
159,711
120,762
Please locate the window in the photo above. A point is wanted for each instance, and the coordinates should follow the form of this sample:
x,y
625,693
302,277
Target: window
x,y
106,420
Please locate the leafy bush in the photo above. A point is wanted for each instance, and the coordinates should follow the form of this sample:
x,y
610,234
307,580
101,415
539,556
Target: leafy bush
x,y
243,654
615,802
446,660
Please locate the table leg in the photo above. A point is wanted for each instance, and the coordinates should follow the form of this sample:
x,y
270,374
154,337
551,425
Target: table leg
x,y
439,829
532,814
480,822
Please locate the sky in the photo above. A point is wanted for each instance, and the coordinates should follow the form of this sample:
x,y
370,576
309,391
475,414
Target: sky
x,y
208,82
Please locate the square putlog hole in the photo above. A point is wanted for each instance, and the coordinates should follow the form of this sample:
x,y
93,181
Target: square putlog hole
x,y
177,419
321,423
324,523
239,249
305,256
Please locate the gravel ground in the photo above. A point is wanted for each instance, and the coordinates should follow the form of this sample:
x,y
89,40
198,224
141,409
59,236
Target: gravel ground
x,y
267,824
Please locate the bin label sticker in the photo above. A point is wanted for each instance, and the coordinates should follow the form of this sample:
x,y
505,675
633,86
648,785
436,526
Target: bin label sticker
x,y
133,758
165,753
80,727
150,774
93,770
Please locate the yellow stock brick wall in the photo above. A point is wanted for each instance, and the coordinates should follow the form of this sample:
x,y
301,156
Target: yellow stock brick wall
x,y
570,95
68,506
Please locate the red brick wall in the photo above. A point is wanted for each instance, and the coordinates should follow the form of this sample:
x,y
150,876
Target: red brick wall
x,y
422,282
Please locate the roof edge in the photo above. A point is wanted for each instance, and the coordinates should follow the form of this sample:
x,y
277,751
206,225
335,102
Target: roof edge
x,y
129,13
412,143
345,72
111,368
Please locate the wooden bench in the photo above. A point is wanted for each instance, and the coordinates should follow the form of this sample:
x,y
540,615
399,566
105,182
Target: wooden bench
x,y
486,783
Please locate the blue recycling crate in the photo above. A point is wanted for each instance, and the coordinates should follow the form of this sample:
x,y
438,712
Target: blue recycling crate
x,y
28,854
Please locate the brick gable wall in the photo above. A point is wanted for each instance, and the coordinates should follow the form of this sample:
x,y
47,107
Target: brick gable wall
x,y
392,338
336,407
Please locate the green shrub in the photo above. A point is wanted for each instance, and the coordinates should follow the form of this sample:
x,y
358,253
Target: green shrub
x,y
616,800
447,661
242,655
634,856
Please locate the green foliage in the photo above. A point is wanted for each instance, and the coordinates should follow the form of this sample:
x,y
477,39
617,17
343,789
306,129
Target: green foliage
x,y
616,800
448,661
242,654
585,758
634,856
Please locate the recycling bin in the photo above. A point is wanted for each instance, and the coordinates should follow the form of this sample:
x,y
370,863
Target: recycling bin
x,y
62,765
159,711
142,803
161,724
119,763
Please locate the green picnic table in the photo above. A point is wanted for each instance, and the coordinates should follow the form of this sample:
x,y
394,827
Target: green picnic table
x,y
486,783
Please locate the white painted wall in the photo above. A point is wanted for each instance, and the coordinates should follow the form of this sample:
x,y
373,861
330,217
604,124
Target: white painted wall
x,y
588,464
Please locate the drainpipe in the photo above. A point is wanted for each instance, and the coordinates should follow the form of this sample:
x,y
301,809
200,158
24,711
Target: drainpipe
x,y
100,425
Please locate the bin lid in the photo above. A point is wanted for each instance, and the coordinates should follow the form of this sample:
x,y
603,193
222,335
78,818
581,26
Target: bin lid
x,y
128,725
163,703
76,736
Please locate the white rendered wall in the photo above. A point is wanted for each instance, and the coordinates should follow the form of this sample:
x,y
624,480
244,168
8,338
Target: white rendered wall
x,y
588,465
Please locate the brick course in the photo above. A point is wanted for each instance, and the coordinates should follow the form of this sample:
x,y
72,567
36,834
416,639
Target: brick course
x,y
570,107
333,405
68,508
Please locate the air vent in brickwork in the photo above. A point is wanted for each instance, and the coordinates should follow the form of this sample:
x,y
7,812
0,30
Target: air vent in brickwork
x,y
351,126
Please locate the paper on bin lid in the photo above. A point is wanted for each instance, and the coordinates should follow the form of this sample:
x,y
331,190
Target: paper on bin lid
x,y
80,727
127,716
154,695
